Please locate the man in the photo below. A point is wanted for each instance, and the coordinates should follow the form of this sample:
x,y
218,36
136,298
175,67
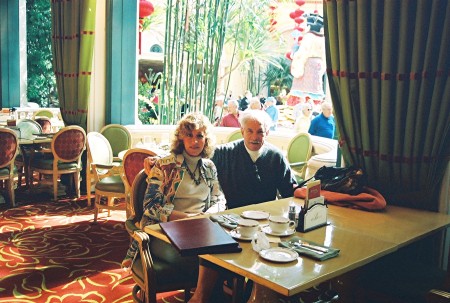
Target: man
x,y
323,125
232,119
272,111
252,170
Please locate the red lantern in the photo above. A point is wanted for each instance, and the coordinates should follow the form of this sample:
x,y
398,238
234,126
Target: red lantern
x,y
145,8
292,15
299,2
299,20
298,12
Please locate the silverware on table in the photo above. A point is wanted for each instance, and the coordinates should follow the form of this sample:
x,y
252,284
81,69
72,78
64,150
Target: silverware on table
x,y
313,247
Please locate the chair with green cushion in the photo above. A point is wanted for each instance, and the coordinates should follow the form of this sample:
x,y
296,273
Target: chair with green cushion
x,y
9,146
107,175
234,135
157,267
119,138
67,146
298,154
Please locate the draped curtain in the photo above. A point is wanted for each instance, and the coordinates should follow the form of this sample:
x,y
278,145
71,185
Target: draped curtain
x,y
73,28
388,67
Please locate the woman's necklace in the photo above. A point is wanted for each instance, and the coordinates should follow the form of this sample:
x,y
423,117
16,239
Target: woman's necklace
x,y
192,174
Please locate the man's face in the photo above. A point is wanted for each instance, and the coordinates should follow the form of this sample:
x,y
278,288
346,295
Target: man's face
x,y
327,111
254,135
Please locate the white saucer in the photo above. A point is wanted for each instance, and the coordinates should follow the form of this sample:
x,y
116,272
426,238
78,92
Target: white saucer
x,y
269,231
279,254
238,236
255,214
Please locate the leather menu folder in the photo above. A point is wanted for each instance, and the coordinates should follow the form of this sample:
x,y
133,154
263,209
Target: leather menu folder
x,y
199,236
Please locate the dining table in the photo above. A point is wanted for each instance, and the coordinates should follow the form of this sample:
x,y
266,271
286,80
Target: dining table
x,y
360,236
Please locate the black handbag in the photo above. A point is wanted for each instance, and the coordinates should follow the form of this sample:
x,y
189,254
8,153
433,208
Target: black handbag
x,y
347,180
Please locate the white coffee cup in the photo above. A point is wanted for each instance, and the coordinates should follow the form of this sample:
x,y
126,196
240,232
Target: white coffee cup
x,y
247,228
280,224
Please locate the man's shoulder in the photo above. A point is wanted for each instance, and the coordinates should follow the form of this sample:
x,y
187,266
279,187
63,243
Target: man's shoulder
x,y
229,147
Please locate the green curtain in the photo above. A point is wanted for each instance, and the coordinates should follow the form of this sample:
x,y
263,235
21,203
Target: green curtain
x,y
388,66
73,29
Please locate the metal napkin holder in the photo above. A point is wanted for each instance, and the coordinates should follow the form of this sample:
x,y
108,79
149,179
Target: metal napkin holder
x,y
313,215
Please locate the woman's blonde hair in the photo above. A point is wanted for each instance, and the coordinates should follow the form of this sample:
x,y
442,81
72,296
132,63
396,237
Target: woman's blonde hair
x,y
190,122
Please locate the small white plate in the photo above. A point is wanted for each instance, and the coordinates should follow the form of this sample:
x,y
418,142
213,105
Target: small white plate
x,y
255,214
279,254
238,236
269,231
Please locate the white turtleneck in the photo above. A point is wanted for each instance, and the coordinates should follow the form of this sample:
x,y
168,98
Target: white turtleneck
x,y
190,197
254,154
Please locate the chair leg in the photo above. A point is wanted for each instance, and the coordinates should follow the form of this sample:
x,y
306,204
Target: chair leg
x,y
77,183
96,204
55,187
12,197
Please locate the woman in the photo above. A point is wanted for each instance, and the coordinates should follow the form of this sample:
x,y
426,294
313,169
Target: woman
x,y
185,183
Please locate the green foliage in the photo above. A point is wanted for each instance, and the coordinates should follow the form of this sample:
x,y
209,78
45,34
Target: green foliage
x,y
278,77
255,46
41,79
147,108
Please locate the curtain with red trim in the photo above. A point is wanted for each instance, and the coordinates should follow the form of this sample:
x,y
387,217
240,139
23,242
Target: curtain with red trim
x,y
73,28
388,67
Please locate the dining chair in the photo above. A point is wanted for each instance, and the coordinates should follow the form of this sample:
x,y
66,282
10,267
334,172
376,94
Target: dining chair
x,y
9,146
107,175
133,163
234,135
28,129
152,274
67,146
119,138
298,153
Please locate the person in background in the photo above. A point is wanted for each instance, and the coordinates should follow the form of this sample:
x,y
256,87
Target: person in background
x,y
182,184
218,109
250,171
254,104
324,125
303,120
243,103
272,111
232,118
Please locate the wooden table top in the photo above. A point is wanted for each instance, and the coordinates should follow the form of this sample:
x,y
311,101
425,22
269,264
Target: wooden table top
x,y
361,236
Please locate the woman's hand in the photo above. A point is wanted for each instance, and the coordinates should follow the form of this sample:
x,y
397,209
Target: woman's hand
x,y
149,162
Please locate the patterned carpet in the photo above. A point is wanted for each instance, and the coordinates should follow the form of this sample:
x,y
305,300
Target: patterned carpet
x,y
52,252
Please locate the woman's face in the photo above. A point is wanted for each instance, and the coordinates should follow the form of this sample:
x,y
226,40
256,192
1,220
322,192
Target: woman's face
x,y
194,141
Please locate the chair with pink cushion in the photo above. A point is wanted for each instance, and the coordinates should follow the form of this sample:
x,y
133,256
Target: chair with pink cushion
x,y
133,163
67,146
9,146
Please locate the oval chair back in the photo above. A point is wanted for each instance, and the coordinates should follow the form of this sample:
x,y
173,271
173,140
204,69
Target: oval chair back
x,y
119,138
235,135
298,154
28,128
9,146
133,163
43,113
